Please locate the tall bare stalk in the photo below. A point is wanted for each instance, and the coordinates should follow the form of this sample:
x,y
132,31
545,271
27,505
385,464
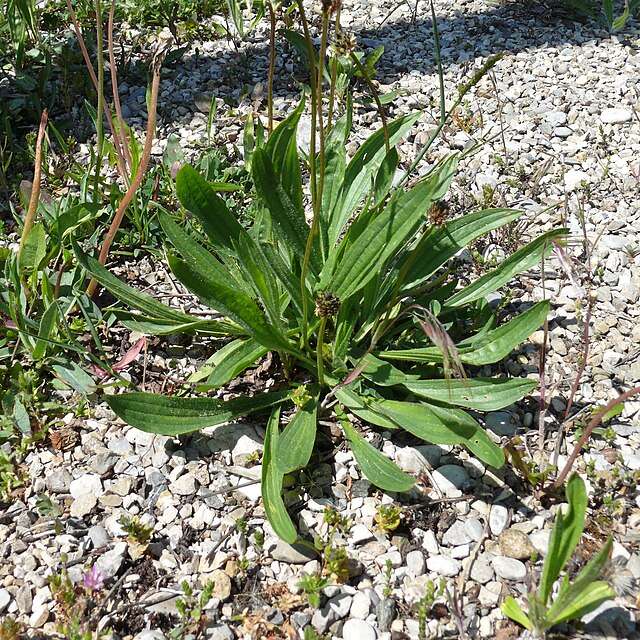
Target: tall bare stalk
x,y
101,101
272,63
94,80
141,170
35,188
584,438
120,140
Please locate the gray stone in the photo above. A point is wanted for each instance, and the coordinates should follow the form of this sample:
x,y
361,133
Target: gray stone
x,y
360,605
360,534
509,568
616,116
450,478
456,535
415,563
98,536
474,529
516,544
386,613
24,599
245,450
58,481
87,484
501,422
540,540
103,463
323,618
498,519
83,505
5,599
481,570
443,565
359,629
150,634
293,554
111,561
185,485
341,604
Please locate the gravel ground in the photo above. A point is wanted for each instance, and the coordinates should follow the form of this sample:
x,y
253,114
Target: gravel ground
x,y
560,115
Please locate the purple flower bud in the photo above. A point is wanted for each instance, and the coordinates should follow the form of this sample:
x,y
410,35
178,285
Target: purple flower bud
x,y
93,579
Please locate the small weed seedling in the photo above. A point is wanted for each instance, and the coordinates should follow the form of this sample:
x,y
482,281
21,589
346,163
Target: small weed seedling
x,y
573,599
388,517
312,584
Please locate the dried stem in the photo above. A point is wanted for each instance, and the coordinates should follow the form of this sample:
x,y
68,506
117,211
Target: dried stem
x,y
593,423
142,168
94,80
35,188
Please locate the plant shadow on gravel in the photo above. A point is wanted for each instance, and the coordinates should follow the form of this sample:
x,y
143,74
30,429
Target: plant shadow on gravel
x,y
514,27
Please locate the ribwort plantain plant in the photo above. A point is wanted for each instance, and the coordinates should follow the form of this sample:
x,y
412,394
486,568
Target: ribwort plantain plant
x,y
362,306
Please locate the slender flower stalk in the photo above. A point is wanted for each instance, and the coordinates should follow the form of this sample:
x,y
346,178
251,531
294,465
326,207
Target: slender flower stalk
x,y
101,103
376,97
121,139
142,168
312,171
272,63
334,73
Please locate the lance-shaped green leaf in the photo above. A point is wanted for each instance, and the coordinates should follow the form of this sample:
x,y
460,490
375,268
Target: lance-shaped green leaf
x,y
271,486
513,610
384,177
159,327
282,147
440,425
360,171
585,593
383,373
197,196
483,394
296,442
191,251
47,325
173,416
285,214
229,362
565,535
430,423
361,406
233,303
486,348
123,292
526,258
441,243
336,162
379,470
386,233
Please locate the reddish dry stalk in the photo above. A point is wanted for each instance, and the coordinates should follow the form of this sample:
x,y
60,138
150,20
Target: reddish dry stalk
x,y
113,68
137,180
593,423
92,74
35,188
